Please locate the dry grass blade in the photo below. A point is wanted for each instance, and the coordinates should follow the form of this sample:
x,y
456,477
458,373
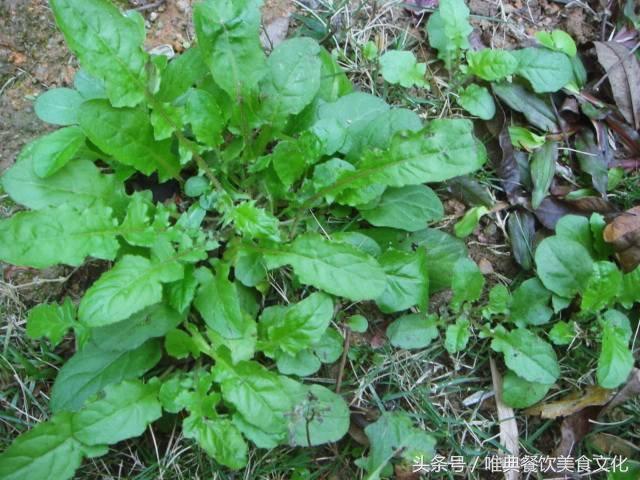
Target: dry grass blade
x,y
508,425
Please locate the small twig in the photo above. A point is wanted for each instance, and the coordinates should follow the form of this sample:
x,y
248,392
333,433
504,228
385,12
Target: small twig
x,y
596,87
149,6
343,360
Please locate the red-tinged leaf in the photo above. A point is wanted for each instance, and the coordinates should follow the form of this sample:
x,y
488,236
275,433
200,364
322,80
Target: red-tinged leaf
x,y
551,210
508,170
628,136
623,69
522,230
592,160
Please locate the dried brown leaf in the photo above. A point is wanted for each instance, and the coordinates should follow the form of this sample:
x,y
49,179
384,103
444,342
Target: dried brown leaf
x,y
613,445
623,70
624,234
572,403
574,428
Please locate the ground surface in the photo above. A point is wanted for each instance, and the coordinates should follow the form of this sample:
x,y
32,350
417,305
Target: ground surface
x,y
33,58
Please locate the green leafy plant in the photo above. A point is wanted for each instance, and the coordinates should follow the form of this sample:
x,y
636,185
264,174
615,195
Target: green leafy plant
x,y
284,184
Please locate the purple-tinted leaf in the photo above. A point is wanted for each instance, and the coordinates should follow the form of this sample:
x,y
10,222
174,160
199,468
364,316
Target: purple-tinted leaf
x,y
551,210
592,160
522,230
509,171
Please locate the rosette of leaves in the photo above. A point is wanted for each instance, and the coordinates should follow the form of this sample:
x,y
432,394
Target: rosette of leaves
x,y
290,180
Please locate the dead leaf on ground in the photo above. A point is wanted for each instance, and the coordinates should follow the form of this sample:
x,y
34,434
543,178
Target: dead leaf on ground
x,y
582,410
574,428
509,171
624,234
623,70
508,426
572,403
613,445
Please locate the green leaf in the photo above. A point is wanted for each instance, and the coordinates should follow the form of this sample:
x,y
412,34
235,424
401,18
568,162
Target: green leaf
x,y
530,305
616,360
457,335
330,346
88,86
78,184
469,222
132,284
524,138
547,71
407,208
336,268
630,292
127,135
477,101
254,222
50,153
467,282
220,438
564,266
205,116
358,323
123,412
543,169
492,65
620,321
443,251
182,72
381,130
296,327
92,369
303,364
51,321
407,281
108,46
562,333
334,82
49,450
578,229
228,37
129,334
499,301
413,331
292,157
444,149
179,344
536,110
293,78
520,393
219,304
320,417
449,30
352,113
58,106
402,68
527,355
257,394
559,41
603,287
61,235
394,434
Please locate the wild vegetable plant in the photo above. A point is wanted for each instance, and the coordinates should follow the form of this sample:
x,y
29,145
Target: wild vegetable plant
x,y
218,299
579,294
